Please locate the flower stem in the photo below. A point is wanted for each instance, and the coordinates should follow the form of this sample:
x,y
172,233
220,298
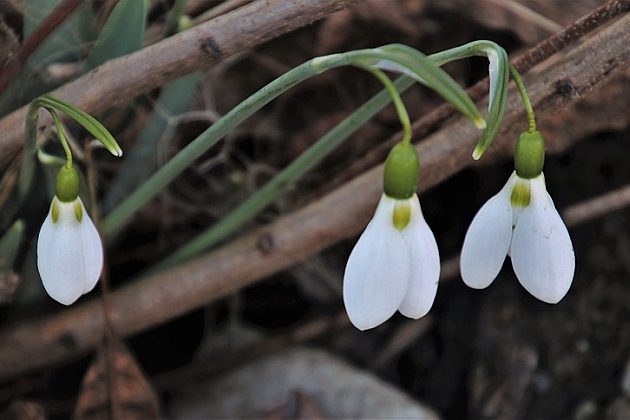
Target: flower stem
x,y
398,103
30,149
62,136
525,97
422,69
287,177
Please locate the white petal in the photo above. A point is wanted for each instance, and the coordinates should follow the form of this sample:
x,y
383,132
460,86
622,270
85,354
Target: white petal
x,y
425,265
542,253
377,273
69,254
92,252
488,239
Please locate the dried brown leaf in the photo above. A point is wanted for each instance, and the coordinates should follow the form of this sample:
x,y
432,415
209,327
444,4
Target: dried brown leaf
x,y
131,396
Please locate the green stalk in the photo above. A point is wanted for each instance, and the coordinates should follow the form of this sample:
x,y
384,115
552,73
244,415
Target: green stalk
x,y
287,177
527,104
403,116
499,78
27,169
425,69
62,137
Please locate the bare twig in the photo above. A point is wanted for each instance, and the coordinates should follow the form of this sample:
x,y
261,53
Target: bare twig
x,y
52,22
598,206
188,51
339,215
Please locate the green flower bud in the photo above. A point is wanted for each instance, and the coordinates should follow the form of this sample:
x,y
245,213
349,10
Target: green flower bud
x,y
67,184
402,171
529,155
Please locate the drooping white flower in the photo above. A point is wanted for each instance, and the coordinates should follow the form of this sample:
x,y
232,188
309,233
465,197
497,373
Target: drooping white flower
x,y
520,221
69,251
395,265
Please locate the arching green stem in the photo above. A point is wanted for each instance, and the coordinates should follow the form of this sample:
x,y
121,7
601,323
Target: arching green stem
x,y
398,103
423,69
62,136
525,97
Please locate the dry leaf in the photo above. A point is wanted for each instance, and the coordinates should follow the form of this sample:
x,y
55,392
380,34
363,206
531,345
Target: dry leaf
x,y
131,395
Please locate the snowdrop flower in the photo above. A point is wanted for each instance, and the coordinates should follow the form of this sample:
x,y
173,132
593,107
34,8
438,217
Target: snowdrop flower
x,y
395,264
521,221
69,249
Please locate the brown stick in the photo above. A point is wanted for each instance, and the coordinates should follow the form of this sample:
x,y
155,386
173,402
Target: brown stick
x,y
118,81
336,216
52,21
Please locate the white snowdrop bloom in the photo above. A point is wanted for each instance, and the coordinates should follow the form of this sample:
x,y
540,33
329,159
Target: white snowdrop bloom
x,y
69,251
395,265
520,221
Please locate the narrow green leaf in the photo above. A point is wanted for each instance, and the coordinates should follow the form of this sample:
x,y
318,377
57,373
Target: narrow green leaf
x,y
87,121
499,78
122,34
10,245
430,74
285,179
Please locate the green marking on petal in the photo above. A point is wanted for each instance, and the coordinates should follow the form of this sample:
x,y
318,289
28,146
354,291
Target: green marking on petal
x,y
54,211
78,211
521,194
402,215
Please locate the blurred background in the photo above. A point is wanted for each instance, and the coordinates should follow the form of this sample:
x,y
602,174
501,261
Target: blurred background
x,y
281,346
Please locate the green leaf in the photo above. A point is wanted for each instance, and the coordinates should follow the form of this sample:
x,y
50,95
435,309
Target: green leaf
x,y
122,34
10,245
88,122
412,62
499,78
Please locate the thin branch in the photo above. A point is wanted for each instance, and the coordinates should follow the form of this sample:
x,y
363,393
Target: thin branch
x,y
180,54
52,22
339,215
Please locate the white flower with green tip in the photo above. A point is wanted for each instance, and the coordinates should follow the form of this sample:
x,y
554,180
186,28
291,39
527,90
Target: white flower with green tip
x,y
69,248
521,221
395,264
